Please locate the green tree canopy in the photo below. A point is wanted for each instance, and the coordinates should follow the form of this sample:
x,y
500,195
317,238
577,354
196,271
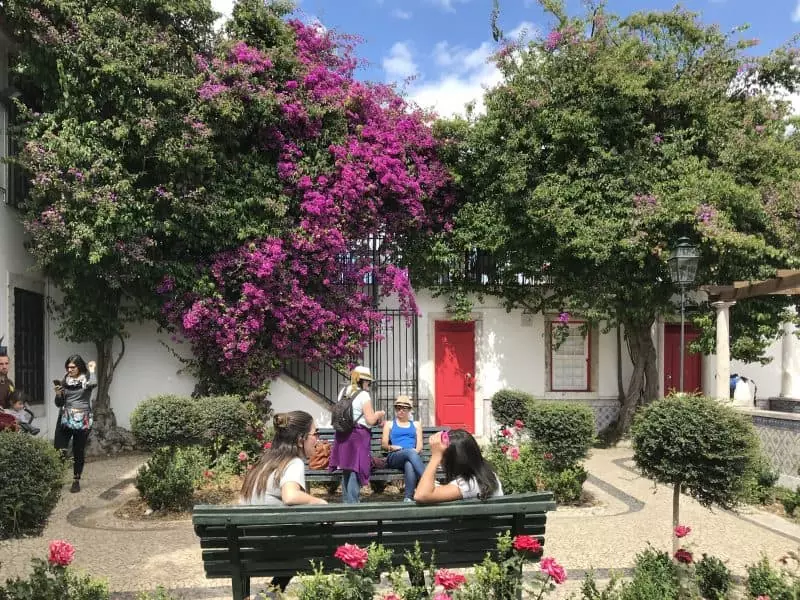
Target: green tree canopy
x,y
608,139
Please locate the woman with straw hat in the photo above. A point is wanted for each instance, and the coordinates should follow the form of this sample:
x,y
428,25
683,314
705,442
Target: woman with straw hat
x,y
403,439
351,450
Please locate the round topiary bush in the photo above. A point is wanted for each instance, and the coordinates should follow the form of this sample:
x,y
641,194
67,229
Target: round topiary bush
x,y
564,429
222,416
166,420
31,474
167,480
698,446
509,406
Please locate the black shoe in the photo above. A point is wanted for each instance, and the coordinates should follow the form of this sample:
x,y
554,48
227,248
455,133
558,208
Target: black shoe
x,y
76,486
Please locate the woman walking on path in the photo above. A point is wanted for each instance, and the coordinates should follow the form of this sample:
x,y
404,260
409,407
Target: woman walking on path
x,y
74,397
403,439
351,451
468,474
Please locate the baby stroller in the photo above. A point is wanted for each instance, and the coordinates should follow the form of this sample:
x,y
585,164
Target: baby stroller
x,y
21,419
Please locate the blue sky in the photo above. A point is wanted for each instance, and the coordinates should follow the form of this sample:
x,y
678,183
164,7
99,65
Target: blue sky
x,y
437,49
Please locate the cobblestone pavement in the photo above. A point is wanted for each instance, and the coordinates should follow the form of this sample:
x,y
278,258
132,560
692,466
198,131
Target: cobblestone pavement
x,y
631,513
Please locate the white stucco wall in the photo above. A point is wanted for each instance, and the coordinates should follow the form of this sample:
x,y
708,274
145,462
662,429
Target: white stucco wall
x,y
286,395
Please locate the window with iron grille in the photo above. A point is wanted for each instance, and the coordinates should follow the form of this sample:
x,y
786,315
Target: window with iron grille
x,y
28,359
570,361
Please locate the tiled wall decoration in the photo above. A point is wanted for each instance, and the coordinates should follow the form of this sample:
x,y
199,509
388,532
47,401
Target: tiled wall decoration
x,y
781,441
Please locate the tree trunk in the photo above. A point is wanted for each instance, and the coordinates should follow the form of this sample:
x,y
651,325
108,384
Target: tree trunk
x,y
104,418
620,382
643,384
676,515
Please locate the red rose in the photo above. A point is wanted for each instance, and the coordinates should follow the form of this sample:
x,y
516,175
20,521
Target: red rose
x,y
682,531
506,432
548,456
527,543
392,596
267,445
683,555
550,567
208,474
519,424
61,553
259,435
513,454
449,580
351,555
504,448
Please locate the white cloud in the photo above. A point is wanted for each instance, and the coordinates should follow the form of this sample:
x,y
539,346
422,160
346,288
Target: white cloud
x,y
523,32
447,5
401,14
465,77
222,6
399,64
796,13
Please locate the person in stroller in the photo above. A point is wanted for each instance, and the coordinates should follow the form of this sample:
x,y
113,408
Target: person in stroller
x,y
18,408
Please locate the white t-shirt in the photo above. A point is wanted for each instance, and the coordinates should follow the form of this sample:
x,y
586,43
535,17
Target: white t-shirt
x,y
469,487
295,472
359,400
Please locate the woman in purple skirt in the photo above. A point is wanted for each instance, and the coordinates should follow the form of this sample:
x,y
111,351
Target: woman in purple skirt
x,y
351,451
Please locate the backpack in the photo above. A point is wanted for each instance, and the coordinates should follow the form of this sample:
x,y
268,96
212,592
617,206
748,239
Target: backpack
x,y
342,413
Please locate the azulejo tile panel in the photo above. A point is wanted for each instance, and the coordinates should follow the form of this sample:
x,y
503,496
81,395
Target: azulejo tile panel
x,y
781,441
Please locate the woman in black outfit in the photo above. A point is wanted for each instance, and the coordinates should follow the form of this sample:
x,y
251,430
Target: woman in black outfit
x,y
74,395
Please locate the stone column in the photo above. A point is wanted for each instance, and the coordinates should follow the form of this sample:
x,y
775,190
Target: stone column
x,y
723,385
790,362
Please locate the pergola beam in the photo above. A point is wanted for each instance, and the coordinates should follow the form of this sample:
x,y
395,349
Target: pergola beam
x,y
787,282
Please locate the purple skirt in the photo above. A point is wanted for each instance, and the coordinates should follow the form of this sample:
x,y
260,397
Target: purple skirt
x,y
351,452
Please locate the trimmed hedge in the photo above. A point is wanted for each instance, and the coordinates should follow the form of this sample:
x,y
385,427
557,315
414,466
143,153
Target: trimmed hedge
x,y
510,405
564,429
31,476
167,480
166,420
222,416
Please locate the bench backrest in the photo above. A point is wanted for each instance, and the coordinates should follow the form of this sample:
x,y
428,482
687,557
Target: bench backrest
x,y
376,434
266,540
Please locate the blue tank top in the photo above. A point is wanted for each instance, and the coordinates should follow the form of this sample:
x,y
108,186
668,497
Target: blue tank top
x,y
405,437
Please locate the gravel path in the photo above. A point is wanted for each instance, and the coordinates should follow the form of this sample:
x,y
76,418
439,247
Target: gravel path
x,y
137,556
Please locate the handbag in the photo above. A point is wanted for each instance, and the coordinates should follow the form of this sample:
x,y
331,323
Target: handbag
x,y
77,419
321,457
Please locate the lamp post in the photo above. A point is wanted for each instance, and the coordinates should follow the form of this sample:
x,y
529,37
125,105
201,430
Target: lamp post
x,y
682,261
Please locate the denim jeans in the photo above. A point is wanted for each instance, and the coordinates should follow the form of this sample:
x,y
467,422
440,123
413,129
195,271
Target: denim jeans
x,y
351,488
409,462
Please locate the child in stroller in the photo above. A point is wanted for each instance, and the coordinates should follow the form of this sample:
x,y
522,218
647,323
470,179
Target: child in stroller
x,y
18,408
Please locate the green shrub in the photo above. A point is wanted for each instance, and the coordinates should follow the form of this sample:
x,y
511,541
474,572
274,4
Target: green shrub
x,y
525,474
703,446
789,499
222,417
713,577
655,575
30,483
509,406
567,484
167,480
564,429
166,420
759,487
764,580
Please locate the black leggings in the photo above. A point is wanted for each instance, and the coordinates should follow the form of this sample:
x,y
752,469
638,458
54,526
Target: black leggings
x,y
79,437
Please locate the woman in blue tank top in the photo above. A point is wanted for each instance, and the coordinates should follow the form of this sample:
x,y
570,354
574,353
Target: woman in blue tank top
x,y
403,439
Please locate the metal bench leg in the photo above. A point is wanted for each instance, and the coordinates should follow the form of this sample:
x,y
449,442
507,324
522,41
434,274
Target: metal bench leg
x,y
281,582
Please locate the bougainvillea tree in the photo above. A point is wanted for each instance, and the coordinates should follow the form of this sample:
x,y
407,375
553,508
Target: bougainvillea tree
x,y
105,86
610,138
348,174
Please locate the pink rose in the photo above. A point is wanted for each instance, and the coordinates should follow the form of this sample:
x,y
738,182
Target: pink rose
x,y
513,454
684,556
550,567
208,474
449,580
682,531
61,553
351,555
526,543
392,596
504,448
506,432
267,445
242,456
519,424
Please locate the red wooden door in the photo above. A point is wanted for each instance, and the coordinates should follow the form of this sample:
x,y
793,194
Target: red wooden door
x,y
692,363
454,349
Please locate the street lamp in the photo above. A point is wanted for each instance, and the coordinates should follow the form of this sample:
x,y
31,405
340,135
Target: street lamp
x,y
682,261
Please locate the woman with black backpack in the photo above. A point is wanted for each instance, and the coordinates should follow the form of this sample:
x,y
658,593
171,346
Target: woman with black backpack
x,y
352,417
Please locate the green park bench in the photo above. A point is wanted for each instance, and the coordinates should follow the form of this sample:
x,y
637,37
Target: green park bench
x,y
241,542
378,477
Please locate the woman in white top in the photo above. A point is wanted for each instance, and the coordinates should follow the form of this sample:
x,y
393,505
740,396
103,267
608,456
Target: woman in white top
x,y
279,476
468,474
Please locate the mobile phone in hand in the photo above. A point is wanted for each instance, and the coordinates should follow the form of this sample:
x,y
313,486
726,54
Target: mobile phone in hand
x,y
57,382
